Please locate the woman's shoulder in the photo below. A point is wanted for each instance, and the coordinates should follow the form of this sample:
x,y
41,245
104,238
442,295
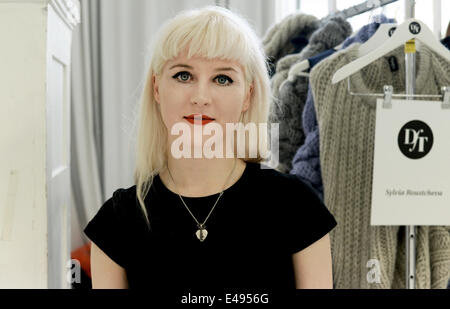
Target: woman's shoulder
x,y
124,206
124,193
294,198
123,200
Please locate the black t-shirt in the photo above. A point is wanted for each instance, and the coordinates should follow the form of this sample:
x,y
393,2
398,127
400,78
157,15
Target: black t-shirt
x,y
258,223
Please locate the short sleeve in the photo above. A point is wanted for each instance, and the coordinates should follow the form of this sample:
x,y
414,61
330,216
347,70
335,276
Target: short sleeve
x,y
309,219
108,230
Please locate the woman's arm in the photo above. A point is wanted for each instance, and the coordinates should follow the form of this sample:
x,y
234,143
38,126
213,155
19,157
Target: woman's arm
x,y
106,274
312,266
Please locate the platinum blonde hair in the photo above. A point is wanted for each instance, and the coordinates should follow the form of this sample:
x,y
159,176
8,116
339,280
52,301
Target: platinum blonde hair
x,y
211,32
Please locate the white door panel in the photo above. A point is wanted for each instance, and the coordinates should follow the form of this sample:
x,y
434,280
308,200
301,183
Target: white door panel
x,y
58,149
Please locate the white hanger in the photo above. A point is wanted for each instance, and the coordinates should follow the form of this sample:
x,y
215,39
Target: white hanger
x,y
410,29
379,37
299,69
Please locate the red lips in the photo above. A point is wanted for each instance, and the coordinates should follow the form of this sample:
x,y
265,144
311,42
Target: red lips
x,y
199,119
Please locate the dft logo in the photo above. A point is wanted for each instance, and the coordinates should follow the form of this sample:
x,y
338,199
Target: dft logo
x,y
391,31
414,28
415,139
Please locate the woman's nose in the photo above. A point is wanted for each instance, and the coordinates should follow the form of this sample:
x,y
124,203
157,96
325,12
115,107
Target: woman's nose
x,y
201,94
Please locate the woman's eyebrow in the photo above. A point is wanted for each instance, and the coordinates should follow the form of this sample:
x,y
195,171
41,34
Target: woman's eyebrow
x,y
189,67
226,69
181,65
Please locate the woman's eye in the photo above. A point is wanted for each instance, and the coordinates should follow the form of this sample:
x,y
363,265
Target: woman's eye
x,y
186,76
182,76
222,79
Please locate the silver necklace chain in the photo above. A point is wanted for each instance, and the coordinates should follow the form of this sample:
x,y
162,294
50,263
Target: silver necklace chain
x,y
202,232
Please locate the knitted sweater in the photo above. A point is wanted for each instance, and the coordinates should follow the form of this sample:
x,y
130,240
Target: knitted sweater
x,y
347,132
281,39
305,162
333,29
327,36
288,108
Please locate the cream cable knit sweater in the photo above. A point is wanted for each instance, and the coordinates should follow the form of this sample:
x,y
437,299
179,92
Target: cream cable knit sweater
x,y
347,131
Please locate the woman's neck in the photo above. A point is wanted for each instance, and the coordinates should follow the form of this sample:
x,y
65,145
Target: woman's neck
x,y
201,177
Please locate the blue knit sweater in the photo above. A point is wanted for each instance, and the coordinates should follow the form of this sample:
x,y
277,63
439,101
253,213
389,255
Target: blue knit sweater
x,y
306,162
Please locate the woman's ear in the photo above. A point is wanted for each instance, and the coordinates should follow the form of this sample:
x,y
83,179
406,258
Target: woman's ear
x,y
248,98
155,83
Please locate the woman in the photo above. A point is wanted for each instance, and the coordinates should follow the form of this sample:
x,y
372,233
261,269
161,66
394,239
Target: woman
x,y
194,220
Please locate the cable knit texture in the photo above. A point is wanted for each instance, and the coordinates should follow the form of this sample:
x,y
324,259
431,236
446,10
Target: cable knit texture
x,y
306,163
278,40
291,96
347,132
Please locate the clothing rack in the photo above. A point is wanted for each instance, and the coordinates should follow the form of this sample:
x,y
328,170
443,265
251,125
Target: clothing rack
x,y
223,3
410,82
358,9
362,8
410,73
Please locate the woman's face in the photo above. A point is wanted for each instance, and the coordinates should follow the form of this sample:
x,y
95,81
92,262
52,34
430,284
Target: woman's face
x,y
213,88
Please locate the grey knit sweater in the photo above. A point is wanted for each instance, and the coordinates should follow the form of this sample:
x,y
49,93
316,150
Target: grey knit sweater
x,y
277,41
347,131
290,96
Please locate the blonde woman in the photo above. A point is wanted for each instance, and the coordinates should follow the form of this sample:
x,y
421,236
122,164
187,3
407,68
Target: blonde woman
x,y
194,220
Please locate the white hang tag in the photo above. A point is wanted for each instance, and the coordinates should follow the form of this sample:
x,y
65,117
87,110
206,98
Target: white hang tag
x,y
411,172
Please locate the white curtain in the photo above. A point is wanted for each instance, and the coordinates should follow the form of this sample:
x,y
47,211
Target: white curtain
x,y
109,65
86,152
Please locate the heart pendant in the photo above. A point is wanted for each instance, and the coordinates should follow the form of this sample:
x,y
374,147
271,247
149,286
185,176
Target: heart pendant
x,y
201,234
